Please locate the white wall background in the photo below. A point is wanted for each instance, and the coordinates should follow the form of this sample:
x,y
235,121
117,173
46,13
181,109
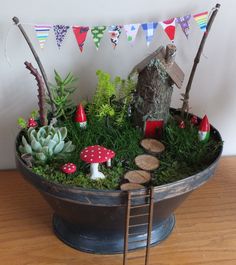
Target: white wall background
x,y
213,91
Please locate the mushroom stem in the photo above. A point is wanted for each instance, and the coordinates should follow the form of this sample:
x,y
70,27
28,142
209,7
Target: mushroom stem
x,y
109,162
95,174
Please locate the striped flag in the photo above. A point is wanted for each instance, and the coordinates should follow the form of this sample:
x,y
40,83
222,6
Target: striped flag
x,y
42,32
201,20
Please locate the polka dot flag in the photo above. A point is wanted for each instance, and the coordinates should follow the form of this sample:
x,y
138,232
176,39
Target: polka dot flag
x,y
169,28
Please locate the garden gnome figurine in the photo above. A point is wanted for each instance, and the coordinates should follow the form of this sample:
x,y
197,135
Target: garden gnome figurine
x,y
80,117
204,129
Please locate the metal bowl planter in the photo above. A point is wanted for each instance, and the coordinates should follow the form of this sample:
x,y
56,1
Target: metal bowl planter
x,y
94,220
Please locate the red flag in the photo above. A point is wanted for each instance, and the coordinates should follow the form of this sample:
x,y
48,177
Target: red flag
x,y
80,35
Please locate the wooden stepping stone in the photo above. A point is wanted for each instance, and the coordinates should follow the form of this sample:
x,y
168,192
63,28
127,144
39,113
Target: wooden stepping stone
x,y
147,162
138,176
131,186
152,146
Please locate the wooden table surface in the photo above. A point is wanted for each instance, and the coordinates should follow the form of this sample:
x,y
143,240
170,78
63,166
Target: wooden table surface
x,y
205,231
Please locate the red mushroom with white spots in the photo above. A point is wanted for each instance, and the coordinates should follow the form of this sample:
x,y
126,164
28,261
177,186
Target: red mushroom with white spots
x,y
94,155
68,168
32,123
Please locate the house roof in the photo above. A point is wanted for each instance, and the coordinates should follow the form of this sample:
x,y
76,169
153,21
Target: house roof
x,y
173,70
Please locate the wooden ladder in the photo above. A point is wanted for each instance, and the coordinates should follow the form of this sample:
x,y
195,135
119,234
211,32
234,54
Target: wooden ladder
x,y
149,198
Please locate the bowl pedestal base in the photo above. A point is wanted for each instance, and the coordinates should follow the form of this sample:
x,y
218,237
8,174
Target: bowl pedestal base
x,y
73,236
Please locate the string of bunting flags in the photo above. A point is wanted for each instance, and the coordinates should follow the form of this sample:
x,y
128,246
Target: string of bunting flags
x,y
114,31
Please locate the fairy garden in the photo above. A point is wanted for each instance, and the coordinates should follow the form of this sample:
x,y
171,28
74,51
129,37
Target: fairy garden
x,y
127,137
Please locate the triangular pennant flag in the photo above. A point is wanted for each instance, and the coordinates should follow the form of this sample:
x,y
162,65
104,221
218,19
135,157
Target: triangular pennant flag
x,y
97,33
42,32
201,20
80,35
114,33
131,31
184,23
60,33
149,29
169,28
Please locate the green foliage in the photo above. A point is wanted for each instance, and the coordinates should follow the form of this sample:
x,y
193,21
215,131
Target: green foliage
x,y
22,123
122,139
34,114
80,179
101,105
184,155
60,95
106,110
46,144
124,99
112,97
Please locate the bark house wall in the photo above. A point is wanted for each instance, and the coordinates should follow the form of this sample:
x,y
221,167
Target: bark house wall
x,y
152,98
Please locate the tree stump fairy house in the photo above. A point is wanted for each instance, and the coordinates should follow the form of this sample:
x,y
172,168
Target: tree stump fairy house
x,y
152,98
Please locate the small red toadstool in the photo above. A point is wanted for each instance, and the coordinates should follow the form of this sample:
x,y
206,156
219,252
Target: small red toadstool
x,y
68,168
94,155
194,120
182,125
32,123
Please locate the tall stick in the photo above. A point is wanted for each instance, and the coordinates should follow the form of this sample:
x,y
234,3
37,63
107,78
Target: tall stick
x,y
185,106
17,22
41,93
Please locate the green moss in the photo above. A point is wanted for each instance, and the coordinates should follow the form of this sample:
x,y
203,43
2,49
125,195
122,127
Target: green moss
x,y
79,179
184,154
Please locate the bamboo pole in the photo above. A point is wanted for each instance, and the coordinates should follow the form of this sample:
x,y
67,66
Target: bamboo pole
x,y
185,106
17,22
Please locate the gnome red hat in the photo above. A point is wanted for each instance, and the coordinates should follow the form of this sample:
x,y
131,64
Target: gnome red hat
x,y
80,116
204,129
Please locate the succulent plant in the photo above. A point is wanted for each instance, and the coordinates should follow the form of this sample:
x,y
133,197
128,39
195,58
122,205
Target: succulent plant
x,y
46,143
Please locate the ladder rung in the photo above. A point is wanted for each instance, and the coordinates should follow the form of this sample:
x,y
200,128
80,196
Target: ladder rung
x,y
130,226
139,215
133,202
140,240
140,196
139,206
131,234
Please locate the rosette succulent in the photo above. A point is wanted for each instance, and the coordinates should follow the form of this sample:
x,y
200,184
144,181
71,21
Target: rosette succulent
x,y
46,143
